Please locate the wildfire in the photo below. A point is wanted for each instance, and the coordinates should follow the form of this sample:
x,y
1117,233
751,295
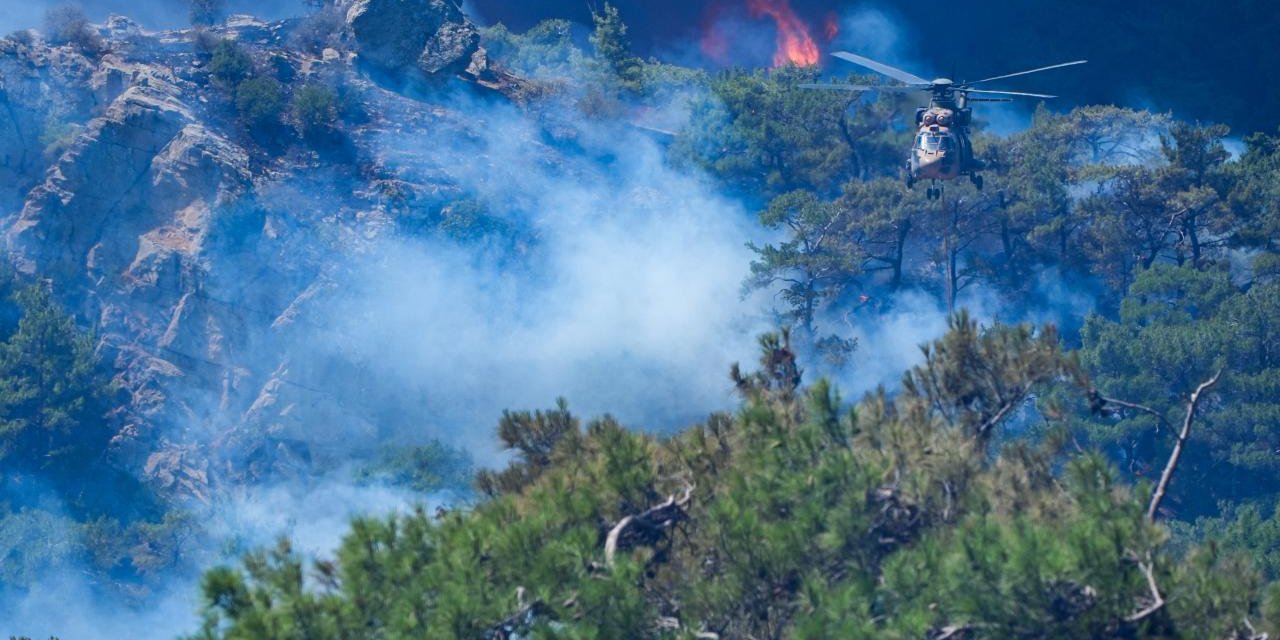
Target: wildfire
x,y
795,44
831,27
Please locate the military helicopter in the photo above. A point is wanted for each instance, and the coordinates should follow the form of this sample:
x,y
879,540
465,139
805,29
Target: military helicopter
x,y
942,150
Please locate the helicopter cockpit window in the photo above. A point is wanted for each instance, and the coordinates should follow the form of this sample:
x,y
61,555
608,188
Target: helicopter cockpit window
x,y
934,143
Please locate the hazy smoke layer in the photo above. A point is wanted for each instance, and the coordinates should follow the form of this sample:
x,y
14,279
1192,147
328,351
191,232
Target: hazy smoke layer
x,y
621,292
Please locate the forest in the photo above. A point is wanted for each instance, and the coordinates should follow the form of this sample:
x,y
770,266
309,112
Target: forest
x,y
1105,474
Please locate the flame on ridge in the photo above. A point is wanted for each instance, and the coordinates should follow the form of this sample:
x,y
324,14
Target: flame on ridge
x,y
795,43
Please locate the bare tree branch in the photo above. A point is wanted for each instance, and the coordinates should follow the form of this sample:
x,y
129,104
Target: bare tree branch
x,y
1104,400
1167,476
1157,601
650,523
952,632
1001,414
1253,633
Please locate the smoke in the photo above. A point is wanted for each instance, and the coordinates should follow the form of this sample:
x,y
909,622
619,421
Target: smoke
x,y
626,301
66,605
614,282
883,34
875,33
618,288
889,342
69,603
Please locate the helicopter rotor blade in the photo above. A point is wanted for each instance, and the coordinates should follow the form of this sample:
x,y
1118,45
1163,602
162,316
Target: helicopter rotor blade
x,y
831,86
879,67
990,99
1009,93
1023,73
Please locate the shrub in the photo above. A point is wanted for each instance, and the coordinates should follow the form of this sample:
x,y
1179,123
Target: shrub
x,y
319,30
314,107
204,41
66,24
259,101
423,468
57,135
230,64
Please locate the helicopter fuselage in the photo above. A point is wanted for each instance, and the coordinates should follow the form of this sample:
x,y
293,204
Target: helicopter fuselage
x,y
941,150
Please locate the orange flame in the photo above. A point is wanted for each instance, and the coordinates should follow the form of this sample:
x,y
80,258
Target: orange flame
x,y
831,28
795,44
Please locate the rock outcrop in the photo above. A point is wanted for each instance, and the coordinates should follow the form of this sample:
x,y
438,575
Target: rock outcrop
x,y
198,253
428,36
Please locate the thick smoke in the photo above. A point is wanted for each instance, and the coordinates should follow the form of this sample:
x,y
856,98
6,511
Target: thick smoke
x,y
889,342
623,294
627,300
314,516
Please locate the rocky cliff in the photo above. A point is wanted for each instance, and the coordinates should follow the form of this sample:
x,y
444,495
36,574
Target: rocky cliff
x,y
194,247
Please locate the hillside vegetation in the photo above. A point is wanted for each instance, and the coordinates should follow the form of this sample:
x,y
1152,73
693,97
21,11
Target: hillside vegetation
x,y
184,221
1019,485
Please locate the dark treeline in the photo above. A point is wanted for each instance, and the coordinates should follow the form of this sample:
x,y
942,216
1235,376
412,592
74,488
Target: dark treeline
x,y
1202,60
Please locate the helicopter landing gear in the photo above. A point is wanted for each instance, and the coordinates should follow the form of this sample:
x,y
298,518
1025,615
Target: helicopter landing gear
x,y
933,193
976,180
911,181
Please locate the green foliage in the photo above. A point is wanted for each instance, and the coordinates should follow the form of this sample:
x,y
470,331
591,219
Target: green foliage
x,y
1244,530
426,468
810,264
1178,326
314,107
230,65
613,51
52,398
34,542
804,518
1097,196
762,135
1257,195
976,379
470,220
544,52
260,102
63,506
56,135
536,439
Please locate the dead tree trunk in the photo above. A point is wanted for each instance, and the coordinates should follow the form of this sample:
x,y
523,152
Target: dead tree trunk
x,y
646,527
1165,477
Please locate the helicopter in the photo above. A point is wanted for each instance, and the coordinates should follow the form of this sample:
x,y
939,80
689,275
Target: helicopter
x,y
942,149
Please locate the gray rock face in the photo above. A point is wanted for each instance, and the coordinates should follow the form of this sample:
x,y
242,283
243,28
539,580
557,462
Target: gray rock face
x,y
201,259
431,36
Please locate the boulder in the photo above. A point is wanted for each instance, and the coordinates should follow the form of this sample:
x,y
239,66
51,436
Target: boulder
x,y
429,36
